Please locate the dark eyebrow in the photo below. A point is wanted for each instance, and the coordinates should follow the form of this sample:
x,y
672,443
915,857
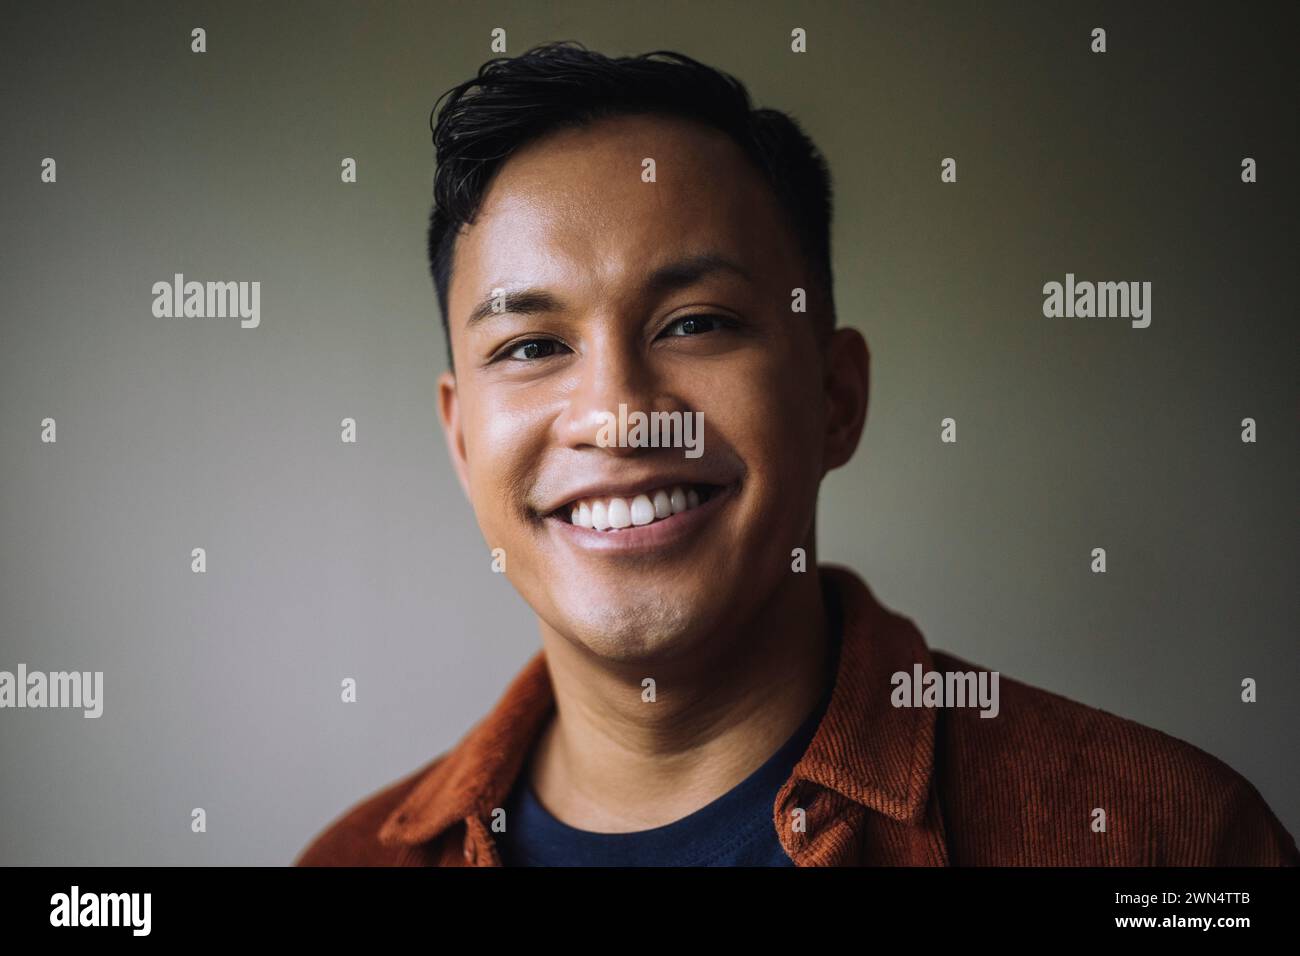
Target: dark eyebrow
x,y
689,270
667,278
523,301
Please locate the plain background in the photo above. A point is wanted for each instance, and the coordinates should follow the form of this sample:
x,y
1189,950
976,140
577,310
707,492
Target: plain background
x,y
328,560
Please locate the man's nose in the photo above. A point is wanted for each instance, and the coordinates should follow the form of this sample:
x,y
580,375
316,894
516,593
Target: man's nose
x,y
609,373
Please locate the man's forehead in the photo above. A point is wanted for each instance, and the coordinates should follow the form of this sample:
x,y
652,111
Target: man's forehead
x,y
618,143
576,205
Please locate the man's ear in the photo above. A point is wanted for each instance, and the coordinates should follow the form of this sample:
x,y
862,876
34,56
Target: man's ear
x,y
847,389
449,410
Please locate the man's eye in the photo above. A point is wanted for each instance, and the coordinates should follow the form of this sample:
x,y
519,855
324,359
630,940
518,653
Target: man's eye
x,y
532,349
693,325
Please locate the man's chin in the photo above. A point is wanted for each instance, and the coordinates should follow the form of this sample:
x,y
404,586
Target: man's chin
x,y
654,628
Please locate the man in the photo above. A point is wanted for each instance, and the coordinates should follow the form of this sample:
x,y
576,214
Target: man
x,y
615,235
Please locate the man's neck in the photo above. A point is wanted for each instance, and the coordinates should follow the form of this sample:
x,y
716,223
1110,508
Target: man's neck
x,y
611,762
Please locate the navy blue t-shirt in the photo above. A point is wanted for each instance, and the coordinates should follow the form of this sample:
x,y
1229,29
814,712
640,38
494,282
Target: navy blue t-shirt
x,y
736,829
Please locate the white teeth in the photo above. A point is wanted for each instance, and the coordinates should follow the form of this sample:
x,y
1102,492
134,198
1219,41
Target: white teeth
x,y
620,515
604,514
663,508
643,512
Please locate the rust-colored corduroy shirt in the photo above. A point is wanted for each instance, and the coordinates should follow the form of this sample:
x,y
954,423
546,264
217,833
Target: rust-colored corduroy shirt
x,y
882,785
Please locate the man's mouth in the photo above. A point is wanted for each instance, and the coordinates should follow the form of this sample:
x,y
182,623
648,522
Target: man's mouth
x,y
613,513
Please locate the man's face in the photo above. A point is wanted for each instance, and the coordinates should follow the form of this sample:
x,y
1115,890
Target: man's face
x,y
571,217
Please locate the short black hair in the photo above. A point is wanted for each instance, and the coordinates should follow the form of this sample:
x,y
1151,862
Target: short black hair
x,y
513,100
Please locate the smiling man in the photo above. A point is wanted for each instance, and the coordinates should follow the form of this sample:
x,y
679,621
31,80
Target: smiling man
x,y
616,235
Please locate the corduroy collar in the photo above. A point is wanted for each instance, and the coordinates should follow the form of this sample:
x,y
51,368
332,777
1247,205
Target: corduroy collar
x,y
865,749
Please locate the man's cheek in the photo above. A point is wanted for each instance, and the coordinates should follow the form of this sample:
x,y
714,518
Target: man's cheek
x,y
493,442
494,428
